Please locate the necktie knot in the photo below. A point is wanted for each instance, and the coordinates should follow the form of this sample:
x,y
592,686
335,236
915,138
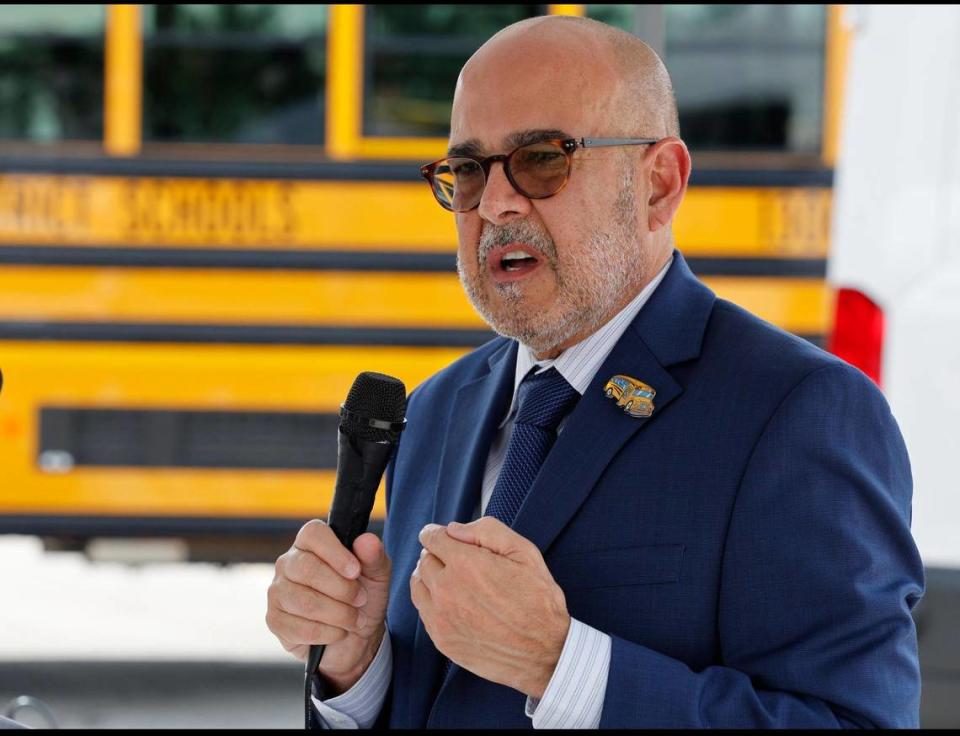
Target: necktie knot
x,y
544,399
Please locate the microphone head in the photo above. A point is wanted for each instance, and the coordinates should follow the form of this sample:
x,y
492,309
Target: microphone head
x,y
374,396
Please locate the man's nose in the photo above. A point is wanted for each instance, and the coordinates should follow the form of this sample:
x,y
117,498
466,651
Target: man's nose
x,y
500,202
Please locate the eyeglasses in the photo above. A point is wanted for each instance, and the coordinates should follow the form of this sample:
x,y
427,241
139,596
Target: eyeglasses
x,y
536,170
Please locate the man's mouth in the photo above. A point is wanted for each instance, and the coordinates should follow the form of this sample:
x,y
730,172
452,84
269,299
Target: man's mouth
x,y
513,261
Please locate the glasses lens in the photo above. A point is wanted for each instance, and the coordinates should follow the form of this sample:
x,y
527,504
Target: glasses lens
x,y
458,183
540,169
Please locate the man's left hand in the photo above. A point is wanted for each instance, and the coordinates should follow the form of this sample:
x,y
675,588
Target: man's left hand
x,y
489,603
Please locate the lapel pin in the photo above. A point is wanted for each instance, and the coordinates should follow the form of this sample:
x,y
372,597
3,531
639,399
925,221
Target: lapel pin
x,y
635,397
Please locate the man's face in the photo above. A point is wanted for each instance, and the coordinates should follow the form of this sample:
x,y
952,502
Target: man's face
x,y
584,242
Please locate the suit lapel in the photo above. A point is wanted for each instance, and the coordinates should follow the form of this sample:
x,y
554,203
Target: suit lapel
x,y
668,330
593,434
477,411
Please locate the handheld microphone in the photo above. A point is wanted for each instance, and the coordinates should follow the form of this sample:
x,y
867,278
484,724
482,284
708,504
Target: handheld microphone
x,y
371,420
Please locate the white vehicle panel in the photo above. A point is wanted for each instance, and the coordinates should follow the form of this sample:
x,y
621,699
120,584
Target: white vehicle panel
x,y
896,237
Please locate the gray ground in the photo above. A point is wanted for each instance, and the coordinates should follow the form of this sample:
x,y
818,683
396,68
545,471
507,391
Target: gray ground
x,y
158,695
180,645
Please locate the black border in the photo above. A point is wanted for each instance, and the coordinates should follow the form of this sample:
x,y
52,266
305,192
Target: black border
x,y
345,260
322,170
151,332
152,526
218,334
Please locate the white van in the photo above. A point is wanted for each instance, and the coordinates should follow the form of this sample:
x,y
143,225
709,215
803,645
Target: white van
x,y
895,259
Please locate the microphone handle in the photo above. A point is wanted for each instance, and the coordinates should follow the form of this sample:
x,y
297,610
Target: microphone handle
x,y
360,466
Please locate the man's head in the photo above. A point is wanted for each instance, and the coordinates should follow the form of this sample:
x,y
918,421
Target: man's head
x,y
600,239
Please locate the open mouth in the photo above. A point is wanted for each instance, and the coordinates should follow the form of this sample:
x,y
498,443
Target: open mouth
x,y
516,260
513,261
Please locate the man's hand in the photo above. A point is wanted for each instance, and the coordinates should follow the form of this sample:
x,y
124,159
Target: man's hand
x,y
322,594
489,603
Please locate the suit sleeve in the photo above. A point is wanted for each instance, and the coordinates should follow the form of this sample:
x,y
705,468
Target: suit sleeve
x,y
819,577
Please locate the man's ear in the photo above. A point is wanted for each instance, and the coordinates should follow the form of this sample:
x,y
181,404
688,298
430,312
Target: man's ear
x,y
669,173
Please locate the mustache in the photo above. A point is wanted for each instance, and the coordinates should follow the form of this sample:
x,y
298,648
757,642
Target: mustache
x,y
495,236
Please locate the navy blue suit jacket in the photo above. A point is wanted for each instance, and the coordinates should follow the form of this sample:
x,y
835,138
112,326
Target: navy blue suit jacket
x,y
747,547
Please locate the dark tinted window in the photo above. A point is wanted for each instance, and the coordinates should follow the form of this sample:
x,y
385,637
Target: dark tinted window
x,y
413,56
51,72
234,73
746,77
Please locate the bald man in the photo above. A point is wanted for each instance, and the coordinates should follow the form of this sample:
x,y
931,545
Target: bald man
x,y
641,506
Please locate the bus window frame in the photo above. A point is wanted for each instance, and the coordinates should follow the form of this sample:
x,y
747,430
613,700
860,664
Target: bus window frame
x,y
345,93
835,67
347,141
131,34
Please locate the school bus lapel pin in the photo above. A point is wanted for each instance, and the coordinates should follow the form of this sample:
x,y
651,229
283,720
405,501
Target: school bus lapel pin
x,y
633,396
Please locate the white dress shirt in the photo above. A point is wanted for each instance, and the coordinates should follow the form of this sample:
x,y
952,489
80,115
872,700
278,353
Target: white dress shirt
x,y
574,696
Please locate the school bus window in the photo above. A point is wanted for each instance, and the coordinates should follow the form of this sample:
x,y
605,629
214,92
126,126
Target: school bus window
x,y
746,77
413,56
234,73
51,72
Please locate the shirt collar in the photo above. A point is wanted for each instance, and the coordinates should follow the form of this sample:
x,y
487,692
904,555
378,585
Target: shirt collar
x,y
579,363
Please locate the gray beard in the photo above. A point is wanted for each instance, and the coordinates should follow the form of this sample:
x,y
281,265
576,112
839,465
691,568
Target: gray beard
x,y
587,297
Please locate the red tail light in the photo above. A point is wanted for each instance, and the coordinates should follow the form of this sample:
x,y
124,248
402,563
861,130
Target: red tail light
x,y
858,332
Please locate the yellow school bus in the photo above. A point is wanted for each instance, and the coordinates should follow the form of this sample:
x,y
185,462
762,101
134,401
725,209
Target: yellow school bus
x,y
211,220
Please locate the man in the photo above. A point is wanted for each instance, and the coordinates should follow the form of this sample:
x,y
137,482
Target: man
x,y
731,549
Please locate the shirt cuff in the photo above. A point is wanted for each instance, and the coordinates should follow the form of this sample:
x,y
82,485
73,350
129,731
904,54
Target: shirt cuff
x,y
574,696
359,706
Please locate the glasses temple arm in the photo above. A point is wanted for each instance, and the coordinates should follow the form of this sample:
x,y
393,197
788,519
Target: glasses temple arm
x,y
597,142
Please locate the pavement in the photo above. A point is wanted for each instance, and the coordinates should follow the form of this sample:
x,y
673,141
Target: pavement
x,y
110,645
185,645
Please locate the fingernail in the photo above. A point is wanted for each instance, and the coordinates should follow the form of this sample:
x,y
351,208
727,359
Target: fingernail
x,y
423,553
351,570
427,528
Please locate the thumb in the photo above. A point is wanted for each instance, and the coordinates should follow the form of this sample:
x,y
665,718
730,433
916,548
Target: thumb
x,y
491,534
374,562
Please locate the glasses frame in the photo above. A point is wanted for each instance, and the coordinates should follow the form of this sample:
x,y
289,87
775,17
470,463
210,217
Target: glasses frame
x,y
567,145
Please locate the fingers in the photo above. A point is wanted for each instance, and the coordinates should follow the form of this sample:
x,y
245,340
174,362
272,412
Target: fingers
x,y
419,593
435,540
491,534
372,556
429,569
294,631
299,651
306,603
450,543
306,569
318,538
310,601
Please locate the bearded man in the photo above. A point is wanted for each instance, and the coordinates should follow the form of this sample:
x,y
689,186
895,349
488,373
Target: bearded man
x,y
641,506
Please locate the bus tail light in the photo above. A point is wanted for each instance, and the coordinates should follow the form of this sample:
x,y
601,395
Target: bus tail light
x,y
858,332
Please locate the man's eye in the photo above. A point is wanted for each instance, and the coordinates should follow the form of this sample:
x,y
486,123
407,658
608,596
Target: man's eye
x,y
542,158
467,169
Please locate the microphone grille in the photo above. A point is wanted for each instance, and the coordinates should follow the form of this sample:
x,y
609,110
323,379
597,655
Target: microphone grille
x,y
375,396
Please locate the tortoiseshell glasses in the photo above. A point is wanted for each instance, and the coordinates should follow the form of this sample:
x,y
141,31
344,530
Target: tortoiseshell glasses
x,y
536,170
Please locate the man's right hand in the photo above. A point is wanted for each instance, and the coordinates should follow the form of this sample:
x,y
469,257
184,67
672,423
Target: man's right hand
x,y
323,594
